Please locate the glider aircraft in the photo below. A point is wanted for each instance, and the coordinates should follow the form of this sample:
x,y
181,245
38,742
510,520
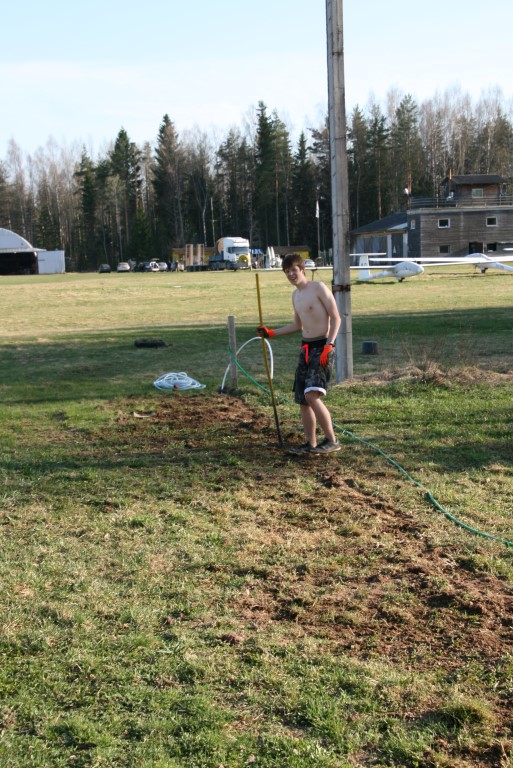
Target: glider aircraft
x,y
405,268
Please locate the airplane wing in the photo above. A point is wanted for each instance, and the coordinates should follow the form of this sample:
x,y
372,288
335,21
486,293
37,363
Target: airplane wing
x,y
403,268
440,261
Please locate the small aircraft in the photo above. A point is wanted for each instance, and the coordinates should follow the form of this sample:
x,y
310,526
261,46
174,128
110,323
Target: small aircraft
x,y
405,268
400,271
479,260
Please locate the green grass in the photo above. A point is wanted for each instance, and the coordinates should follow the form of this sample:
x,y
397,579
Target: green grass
x,y
175,591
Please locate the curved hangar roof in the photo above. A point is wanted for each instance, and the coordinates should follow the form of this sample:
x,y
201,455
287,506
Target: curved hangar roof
x,y
17,256
10,242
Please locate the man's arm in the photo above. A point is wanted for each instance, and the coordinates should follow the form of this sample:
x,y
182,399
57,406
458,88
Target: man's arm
x,y
283,330
330,305
290,328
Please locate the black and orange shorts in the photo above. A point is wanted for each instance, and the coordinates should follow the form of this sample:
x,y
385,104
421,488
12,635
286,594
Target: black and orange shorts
x,y
310,374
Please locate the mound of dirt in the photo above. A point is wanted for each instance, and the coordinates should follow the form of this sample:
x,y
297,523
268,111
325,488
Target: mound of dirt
x,y
432,373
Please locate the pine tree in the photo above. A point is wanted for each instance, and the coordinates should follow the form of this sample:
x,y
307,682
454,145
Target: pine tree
x,y
378,202
304,196
87,234
125,187
265,191
358,165
141,247
407,156
273,167
168,186
320,153
233,193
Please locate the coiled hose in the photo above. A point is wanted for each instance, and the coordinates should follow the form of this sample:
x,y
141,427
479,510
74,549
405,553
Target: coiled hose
x,y
176,381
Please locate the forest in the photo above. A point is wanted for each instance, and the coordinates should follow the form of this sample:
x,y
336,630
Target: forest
x,y
140,202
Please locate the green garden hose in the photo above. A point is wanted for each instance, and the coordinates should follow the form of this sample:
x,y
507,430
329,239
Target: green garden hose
x,y
376,449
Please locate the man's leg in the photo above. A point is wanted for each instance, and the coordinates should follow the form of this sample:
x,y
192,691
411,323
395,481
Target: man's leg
x,y
320,414
309,424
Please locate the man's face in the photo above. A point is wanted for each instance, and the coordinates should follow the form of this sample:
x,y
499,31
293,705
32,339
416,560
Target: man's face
x,y
294,274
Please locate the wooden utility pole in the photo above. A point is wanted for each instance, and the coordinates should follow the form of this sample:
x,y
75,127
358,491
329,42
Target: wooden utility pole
x,y
339,187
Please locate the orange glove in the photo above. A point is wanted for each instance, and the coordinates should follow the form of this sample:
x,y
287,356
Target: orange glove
x,y
265,333
325,354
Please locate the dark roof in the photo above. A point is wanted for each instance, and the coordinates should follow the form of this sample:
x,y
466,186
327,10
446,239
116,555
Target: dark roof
x,y
388,223
477,178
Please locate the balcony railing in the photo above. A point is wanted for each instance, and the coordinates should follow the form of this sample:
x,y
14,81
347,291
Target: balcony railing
x,y
460,202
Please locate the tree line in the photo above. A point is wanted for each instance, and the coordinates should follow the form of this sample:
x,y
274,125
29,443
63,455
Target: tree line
x,y
139,202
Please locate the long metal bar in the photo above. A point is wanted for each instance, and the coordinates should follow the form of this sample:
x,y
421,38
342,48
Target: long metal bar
x,y
267,369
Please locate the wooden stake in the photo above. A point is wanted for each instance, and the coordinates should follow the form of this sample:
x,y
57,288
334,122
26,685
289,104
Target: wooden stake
x,y
233,346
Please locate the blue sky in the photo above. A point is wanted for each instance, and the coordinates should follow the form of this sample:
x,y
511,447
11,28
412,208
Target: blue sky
x,y
78,72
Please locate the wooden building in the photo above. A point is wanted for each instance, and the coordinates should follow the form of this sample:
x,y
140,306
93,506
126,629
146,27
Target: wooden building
x,y
474,214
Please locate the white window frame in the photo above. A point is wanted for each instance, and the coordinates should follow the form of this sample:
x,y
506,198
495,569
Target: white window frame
x,y
490,219
444,226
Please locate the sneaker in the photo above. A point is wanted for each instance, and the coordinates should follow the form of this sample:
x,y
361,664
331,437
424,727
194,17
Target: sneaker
x,y
298,450
327,446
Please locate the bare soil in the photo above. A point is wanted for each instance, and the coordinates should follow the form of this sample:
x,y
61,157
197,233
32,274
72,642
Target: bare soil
x,y
371,576
455,612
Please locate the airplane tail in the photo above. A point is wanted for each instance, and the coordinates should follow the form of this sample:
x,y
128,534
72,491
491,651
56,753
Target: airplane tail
x,y
500,265
364,271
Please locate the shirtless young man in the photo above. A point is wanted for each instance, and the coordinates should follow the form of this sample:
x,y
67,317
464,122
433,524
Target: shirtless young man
x,y
316,316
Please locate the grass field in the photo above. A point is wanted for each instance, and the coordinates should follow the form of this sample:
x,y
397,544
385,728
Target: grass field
x,y
178,592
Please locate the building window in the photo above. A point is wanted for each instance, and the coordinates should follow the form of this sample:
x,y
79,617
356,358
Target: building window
x,y
444,249
444,223
477,193
491,221
491,247
413,224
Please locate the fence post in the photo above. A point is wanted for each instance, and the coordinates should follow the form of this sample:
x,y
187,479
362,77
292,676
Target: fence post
x,y
233,346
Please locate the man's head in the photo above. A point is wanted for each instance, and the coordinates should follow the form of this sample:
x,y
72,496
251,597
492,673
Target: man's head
x,y
294,268
293,260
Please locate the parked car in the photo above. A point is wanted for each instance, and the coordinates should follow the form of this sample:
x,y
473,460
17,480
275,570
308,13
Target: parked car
x,y
104,268
162,266
310,264
147,266
123,266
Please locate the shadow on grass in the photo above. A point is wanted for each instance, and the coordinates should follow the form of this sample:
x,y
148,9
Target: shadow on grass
x,y
107,365
476,323
464,430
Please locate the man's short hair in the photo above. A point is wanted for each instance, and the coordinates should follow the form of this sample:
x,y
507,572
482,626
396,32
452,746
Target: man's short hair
x,y
291,259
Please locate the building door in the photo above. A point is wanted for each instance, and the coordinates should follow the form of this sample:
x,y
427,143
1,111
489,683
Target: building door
x,y
397,246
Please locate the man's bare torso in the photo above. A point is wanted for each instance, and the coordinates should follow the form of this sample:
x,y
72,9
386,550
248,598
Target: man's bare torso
x,y
308,305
